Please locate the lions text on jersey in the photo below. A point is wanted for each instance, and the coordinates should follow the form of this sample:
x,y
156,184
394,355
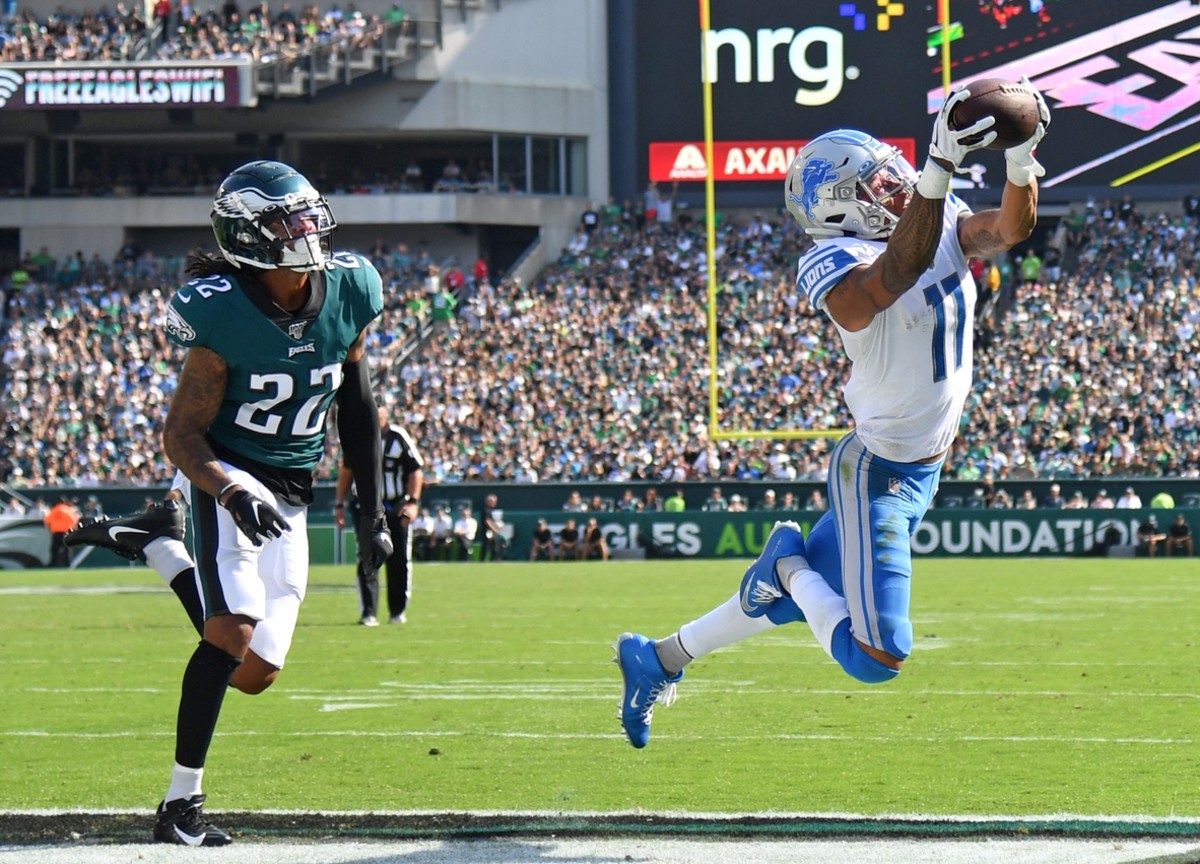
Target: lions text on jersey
x,y
911,369
283,368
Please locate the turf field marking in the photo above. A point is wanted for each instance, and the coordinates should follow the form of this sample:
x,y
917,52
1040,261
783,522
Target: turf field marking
x,y
91,689
326,662
81,590
605,736
396,691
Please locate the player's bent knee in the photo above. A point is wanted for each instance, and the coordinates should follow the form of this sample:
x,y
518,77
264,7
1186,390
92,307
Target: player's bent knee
x,y
251,686
254,675
862,666
857,661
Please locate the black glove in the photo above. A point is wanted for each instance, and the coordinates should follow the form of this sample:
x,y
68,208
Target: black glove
x,y
257,519
374,541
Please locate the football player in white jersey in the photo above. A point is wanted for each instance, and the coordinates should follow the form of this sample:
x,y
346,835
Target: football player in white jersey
x,y
890,269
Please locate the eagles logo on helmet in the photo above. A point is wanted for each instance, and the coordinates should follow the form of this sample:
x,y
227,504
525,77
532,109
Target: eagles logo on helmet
x,y
267,215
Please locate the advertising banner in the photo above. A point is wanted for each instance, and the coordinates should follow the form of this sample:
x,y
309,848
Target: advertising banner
x,y
672,161
698,534
943,533
83,86
1122,79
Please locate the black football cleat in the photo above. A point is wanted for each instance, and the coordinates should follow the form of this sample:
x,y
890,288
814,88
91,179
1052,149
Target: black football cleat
x,y
182,822
129,535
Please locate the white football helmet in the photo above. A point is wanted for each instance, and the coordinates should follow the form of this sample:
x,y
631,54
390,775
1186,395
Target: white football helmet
x,y
840,183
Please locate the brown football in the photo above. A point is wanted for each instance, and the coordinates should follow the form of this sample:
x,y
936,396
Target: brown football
x,y
1012,104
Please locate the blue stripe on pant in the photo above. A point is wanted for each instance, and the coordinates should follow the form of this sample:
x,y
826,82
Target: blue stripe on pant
x,y
862,547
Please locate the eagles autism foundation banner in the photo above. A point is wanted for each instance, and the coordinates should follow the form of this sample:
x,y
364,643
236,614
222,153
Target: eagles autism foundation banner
x,y
83,86
943,533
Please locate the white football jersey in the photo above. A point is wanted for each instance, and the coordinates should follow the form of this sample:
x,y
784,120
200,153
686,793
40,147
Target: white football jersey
x,y
911,366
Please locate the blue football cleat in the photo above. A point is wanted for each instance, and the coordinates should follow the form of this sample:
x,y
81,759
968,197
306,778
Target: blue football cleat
x,y
646,685
761,592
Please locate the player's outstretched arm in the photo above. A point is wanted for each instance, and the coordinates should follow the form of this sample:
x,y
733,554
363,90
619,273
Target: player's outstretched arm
x,y
991,232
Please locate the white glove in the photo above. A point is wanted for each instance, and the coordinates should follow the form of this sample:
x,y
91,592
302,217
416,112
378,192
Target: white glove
x,y
950,146
1020,162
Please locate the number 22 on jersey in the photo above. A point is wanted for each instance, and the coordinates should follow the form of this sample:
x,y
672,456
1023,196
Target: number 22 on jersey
x,y
281,387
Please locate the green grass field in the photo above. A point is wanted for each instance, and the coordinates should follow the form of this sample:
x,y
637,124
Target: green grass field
x,y
1036,687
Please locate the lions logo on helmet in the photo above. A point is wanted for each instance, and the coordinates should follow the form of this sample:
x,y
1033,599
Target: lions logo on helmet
x,y
841,184
267,215
816,172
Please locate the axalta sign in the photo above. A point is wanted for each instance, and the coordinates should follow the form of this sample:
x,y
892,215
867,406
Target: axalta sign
x,y
684,162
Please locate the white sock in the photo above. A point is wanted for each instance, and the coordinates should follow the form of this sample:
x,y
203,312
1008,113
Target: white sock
x,y
169,557
185,782
722,626
823,607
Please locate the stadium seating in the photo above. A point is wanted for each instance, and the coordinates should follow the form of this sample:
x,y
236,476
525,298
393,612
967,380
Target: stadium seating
x,y
595,370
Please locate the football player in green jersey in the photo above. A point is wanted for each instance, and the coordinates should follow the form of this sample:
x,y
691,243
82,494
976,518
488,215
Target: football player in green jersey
x,y
275,331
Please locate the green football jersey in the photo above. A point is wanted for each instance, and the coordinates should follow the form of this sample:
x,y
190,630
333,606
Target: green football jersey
x,y
283,367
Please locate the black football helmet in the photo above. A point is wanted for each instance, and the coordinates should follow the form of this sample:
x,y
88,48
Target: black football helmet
x,y
267,215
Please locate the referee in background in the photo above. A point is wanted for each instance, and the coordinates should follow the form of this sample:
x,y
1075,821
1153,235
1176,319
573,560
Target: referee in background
x,y
403,480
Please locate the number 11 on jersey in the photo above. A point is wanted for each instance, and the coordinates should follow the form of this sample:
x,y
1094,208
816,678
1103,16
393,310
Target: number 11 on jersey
x,y
936,296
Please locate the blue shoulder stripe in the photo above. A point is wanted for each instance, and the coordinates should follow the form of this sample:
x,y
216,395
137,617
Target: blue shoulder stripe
x,y
819,274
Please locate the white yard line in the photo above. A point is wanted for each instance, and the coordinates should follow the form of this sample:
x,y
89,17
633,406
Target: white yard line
x,y
603,736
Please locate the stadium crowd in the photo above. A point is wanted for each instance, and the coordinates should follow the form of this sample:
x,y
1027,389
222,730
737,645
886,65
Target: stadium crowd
x,y
179,31
598,369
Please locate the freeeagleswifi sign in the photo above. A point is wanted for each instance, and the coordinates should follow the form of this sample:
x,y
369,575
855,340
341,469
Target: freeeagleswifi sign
x,y
38,87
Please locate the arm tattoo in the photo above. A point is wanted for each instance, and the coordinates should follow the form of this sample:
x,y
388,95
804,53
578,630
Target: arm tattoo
x,y
913,244
985,244
193,408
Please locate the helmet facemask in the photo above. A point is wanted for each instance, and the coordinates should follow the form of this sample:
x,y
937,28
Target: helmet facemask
x,y
302,239
892,183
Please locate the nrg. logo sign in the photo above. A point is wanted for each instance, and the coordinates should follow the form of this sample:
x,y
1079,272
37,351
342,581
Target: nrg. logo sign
x,y
755,60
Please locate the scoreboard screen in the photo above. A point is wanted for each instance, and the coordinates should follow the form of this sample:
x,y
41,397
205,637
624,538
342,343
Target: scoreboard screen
x,y
1121,77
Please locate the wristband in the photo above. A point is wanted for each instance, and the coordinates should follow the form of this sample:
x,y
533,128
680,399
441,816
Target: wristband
x,y
934,182
410,499
339,505
225,489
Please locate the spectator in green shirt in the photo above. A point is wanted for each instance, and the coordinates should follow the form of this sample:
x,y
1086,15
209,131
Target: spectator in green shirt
x,y
1031,268
443,306
675,503
1163,501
